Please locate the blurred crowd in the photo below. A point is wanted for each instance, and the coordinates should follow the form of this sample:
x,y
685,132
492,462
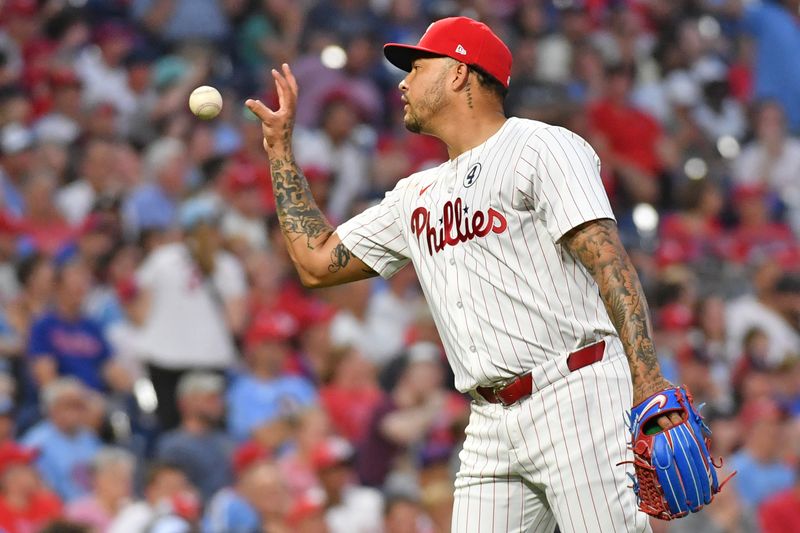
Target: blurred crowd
x,y
162,369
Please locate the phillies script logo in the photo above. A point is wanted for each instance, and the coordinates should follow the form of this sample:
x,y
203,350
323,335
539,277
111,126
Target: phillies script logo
x,y
457,225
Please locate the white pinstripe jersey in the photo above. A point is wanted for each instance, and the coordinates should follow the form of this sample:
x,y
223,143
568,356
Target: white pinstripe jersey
x,y
482,231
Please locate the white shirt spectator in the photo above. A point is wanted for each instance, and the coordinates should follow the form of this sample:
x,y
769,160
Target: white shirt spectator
x,y
102,84
347,162
745,313
361,511
75,201
186,324
780,174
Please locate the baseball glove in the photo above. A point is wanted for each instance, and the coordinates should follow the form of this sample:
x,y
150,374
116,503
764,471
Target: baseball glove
x,y
675,473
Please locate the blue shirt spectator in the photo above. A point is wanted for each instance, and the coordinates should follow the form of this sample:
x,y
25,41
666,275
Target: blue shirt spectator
x,y
149,207
203,452
265,393
78,347
756,481
776,74
253,402
228,512
66,447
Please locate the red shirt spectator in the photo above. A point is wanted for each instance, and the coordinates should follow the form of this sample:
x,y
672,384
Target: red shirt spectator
x,y
352,395
25,506
781,513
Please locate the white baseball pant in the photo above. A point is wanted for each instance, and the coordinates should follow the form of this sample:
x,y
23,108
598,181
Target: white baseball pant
x,y
552,458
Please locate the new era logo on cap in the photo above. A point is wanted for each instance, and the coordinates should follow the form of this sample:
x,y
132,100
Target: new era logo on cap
x,y
461,38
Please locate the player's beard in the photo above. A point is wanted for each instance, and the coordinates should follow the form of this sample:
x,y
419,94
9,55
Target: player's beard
x,y
420,113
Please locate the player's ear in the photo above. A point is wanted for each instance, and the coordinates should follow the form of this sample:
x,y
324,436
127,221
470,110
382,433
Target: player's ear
x,y
460,76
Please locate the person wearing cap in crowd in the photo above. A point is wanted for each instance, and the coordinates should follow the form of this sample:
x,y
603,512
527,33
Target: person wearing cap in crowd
x,y
243,221
197,446
25,504
62,123
406,416
112,487
170,504
16,164
265,393
190,303
237,508
348,506
65,443
66,342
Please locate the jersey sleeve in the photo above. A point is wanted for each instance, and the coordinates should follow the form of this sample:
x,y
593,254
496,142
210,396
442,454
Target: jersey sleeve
x,y
376,237
558,177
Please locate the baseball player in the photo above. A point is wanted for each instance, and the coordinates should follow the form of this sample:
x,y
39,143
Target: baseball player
x,y
540,311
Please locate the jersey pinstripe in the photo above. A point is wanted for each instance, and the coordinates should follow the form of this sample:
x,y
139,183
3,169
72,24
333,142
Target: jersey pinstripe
x,y
482,231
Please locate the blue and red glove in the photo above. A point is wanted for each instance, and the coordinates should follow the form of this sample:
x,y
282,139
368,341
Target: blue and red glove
x,y
675,473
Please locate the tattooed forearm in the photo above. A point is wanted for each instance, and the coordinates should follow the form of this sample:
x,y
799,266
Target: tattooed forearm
x,y
596,245
298,213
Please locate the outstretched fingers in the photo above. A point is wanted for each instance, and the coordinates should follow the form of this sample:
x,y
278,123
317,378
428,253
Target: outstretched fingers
x,y
259,109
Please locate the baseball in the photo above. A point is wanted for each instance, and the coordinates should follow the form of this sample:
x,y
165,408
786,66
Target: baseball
x,y
205,102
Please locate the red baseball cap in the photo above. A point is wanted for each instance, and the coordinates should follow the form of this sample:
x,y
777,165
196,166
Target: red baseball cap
x,y
12,453
462,39
276,326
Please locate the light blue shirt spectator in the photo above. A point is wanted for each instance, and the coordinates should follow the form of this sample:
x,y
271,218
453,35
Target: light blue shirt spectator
x,y
227,512
755,481
190,19
777,75
64,460
254,402
149,207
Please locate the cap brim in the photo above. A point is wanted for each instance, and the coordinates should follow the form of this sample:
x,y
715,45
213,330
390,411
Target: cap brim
x,y
402,55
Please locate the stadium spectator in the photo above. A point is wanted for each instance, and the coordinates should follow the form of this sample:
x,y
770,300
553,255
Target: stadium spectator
x,y
112,486
352,393
36,277
264,394
25,504
154,203
335,148
65,444
781,513
97,177
403,515
773,27
404,418
761,471
348,507
65,342
170,504
201,450
42,226
627,138
242,507
16,165
190,303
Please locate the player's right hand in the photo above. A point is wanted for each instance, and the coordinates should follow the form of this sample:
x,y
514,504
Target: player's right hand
x,y
277,125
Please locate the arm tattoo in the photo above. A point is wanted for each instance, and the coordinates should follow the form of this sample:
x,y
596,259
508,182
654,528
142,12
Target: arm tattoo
x,y
298,213
340,256
597,247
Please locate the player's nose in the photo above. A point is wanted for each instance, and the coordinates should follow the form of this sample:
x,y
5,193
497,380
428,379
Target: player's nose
x,y
403,86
